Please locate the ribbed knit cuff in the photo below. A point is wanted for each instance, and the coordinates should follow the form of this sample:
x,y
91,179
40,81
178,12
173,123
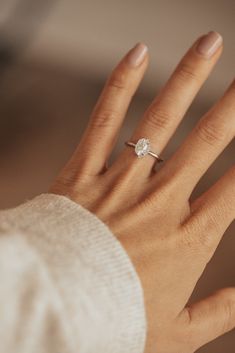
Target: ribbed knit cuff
x,y
94,275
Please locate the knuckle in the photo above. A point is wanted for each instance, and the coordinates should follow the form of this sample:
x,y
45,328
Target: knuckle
x,y
193,242
206,243
159,199
186,72
158,119
210,132
196,236
117,81
149,203
104,118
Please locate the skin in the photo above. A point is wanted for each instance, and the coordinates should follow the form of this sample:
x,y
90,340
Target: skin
x,y
169,238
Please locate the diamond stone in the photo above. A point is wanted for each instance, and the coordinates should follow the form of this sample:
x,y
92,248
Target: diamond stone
x,y
142,147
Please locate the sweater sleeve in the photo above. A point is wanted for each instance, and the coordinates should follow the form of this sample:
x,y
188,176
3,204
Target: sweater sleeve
x,y
66,283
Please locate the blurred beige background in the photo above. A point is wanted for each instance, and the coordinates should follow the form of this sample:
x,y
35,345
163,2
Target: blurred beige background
x,y
62,53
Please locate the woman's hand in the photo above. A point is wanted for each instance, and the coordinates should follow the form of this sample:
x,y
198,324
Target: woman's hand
x,y
169,238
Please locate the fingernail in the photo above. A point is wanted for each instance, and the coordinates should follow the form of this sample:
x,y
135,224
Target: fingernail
x,y
209,44
136,55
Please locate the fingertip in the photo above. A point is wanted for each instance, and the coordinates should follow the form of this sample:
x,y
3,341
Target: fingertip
x,y
137,55
209,44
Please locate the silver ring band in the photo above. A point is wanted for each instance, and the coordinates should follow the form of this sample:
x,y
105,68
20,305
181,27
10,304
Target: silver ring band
x,y
142,148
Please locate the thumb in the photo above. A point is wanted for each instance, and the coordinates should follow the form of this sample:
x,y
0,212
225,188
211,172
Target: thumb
x,y
211,317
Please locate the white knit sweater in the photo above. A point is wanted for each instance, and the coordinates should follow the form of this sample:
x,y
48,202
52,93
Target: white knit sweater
x,y
66,283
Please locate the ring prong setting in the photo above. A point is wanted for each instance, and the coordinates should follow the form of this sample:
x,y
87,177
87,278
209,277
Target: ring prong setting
x,y
142,147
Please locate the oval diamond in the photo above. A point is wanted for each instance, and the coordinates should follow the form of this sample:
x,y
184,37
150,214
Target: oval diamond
x,y
142,147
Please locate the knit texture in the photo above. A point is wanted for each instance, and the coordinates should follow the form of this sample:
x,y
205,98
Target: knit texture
x,y
67,284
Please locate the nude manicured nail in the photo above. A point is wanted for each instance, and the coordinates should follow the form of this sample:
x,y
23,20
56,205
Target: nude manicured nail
x,y
137,54
209,44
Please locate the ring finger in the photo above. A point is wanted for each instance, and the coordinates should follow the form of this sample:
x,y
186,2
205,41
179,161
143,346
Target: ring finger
x,y
204,144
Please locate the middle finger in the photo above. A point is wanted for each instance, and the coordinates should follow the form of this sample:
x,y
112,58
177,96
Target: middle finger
x,y
168,108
